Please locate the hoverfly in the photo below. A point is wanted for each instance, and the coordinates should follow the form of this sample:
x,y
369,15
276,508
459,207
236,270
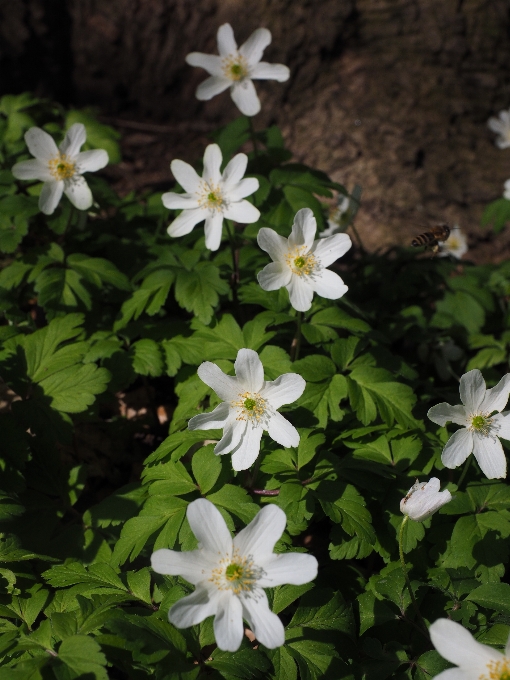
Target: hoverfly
x,y
430,239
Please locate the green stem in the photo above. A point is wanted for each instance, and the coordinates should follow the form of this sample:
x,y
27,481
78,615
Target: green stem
x,y
358,238
253,136
406,575
464,472
234,279
296,341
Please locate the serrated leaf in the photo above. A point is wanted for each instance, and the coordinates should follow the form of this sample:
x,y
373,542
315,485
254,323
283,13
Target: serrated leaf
x,y
147,358
82,656
198,291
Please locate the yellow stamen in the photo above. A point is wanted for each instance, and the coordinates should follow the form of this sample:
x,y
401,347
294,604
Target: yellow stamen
x,y
238,574
235,67
210,197
62,167
302,262
251,406
497,670
481,423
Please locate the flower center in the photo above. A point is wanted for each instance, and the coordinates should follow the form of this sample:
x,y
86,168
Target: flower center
x,y
481,423
302,262
211,197
251,407
235,67
62,167
497,670
237,573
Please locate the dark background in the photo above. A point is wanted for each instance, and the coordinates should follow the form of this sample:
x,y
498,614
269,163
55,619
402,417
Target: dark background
x,y
391,94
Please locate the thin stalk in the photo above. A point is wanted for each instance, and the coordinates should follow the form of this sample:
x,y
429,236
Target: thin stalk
x,y
253,136
406,575
234,279
464,471
296,340
358,237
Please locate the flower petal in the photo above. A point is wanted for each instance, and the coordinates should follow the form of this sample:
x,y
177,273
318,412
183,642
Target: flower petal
x,y
226,41
443,413
210,62
490,456
457,448
210,421
193,565
457,674
265,71
50,196
329,249
282,431
185,222
284,390
458,646
496,398
501,423
78,192
32,169
249,448
276,246
228,623
259,537
472,390
174,201
232,435
226,386
249,370
266,625
254,47
293,568
209,527
196,607
274,276
186,175
300,293
424,499
75,137
41,144
234,171
329,285
212,164
303,229
245,97
90,161
246,187
211,87
213,229
243,212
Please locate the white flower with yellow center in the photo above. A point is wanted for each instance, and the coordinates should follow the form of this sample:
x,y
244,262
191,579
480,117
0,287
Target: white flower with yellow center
x,y
455,245
230,574
482,423
60,168
248,408
212,197
474,660
299,262
501,126
237,68
424,499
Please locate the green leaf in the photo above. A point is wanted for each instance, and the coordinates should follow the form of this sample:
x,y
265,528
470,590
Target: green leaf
x,y
98,271
73,389
99,136
497,213
147,359
206,468
324,610
492,596
81,656
198,290
373,612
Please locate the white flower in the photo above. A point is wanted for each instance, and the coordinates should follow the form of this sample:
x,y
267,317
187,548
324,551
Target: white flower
x,y
299,262
229,575
506,192
335,218
61,168
423,499
481,429
212,197
474,660
455,245
501,126
248,408
237,68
